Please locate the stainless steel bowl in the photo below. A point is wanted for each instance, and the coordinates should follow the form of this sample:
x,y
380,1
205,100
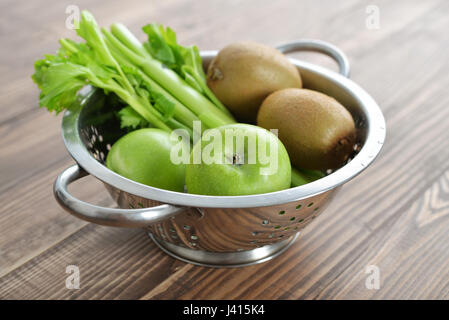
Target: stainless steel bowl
x,y
209,230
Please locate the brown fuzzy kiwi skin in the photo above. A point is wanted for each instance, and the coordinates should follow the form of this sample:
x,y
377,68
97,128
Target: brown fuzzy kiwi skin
x,y
317,131
243,74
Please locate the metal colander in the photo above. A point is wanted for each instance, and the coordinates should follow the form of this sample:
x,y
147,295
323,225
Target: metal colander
x,y
206,230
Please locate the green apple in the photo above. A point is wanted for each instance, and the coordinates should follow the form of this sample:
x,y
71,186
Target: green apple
x,y
238,159
144,156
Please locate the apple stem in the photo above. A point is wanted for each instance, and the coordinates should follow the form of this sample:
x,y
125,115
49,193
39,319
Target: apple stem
x,y
236,159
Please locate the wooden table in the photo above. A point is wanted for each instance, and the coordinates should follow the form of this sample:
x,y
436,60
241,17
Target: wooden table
x,y
394,216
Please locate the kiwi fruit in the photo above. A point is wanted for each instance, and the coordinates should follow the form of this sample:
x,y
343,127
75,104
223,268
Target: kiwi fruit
x,y
243,74
317,131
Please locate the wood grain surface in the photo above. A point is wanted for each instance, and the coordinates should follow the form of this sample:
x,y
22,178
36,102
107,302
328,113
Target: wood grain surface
x,y
394,216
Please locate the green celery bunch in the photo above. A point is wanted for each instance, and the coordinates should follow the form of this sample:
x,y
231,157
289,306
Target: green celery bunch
x,y
117,62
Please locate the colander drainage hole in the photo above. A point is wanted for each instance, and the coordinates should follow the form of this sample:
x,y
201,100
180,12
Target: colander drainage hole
x,y
298,206
172,230
186,227
277,227
194,237
281,212
271,235
265,222
301,220
253,241
310,204
292,218
254,233
316,209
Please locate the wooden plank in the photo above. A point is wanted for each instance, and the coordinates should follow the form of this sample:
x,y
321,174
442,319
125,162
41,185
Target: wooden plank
x,y
31,221
127,260
412,254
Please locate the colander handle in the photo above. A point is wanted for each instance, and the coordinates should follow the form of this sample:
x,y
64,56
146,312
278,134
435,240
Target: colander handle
x,y
319,46
131,218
